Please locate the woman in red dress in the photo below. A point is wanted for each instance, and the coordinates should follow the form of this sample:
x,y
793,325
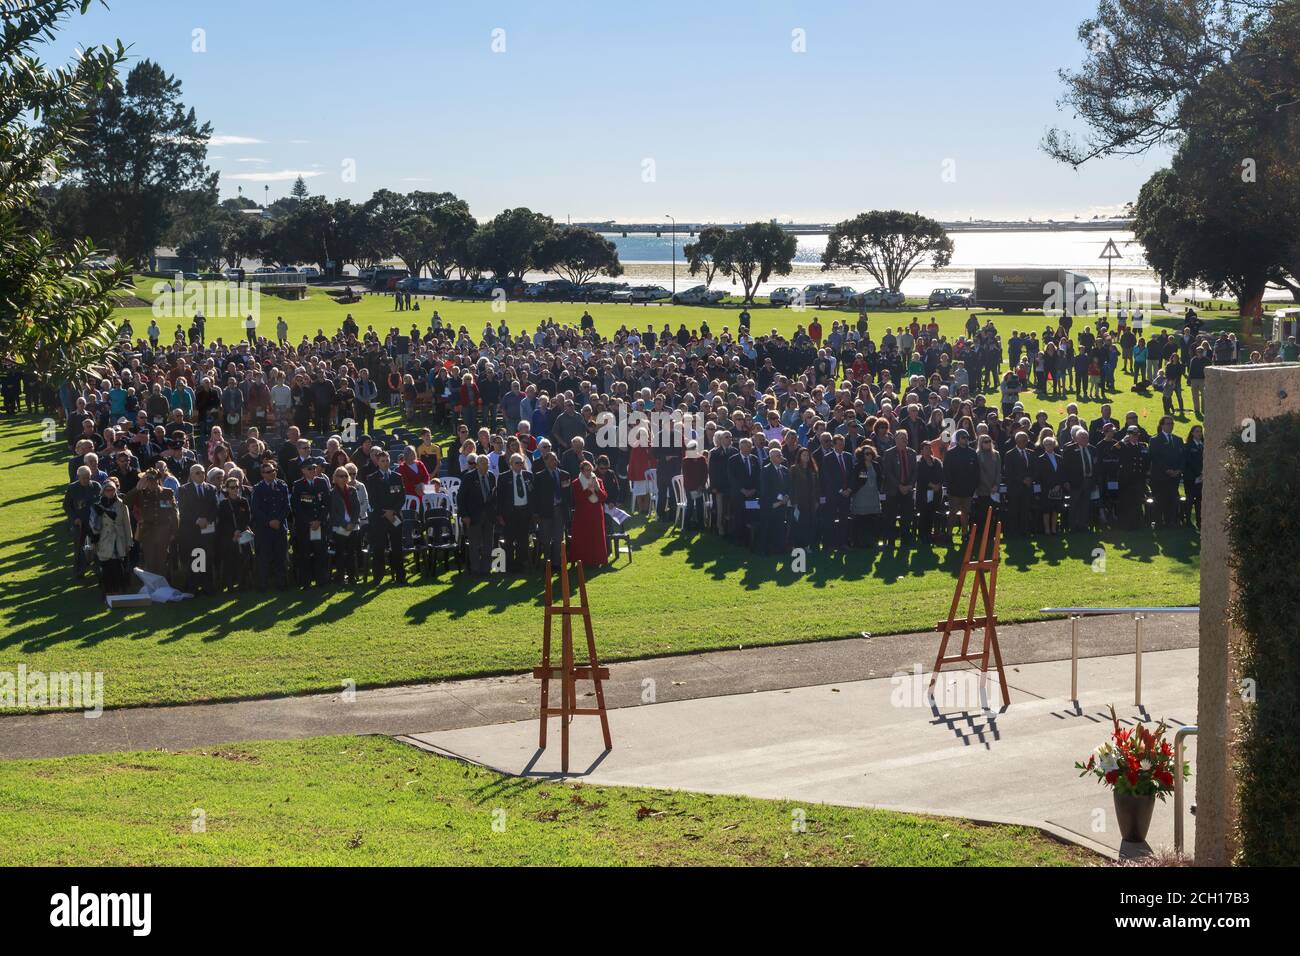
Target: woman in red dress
x,y
587,538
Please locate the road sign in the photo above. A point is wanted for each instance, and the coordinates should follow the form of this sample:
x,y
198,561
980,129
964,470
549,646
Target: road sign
x,y
1109,253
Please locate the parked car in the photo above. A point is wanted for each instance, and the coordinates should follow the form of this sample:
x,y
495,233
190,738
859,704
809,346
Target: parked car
x,y
785,295
878,298
699,295
594,291
309,272
963,298
835,295
650,293
940,298
233,275
810,292
265,270
366,274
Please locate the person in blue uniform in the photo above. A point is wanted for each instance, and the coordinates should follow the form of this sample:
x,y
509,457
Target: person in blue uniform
x,y
271,510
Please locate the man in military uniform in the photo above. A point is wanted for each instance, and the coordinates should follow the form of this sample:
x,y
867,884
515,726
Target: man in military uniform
x,y
384,489
270,514
1133,467
158,523
311,508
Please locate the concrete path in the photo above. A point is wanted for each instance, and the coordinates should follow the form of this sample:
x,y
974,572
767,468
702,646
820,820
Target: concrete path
x,y
470,703
877,743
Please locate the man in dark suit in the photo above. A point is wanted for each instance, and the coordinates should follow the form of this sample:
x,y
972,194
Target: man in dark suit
x,y
899,467
1134,463
836,489
572,459
387,497
1082,479
1018,470
1097,429
477,503
515,510
197,503
720,478
744,487
774,501
1166,452
552,500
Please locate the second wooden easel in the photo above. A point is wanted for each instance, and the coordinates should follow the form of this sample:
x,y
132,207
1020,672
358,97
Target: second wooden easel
x,y
985,585
569,673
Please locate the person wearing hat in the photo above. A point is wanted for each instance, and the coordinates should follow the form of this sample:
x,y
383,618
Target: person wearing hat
x,y
311,505
1134,464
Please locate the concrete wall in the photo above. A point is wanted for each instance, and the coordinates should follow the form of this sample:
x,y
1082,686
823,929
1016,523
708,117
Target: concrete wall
x,y
1232,394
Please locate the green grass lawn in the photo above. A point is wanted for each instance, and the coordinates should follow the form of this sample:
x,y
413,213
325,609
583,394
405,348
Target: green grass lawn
x,y
678,595
371,801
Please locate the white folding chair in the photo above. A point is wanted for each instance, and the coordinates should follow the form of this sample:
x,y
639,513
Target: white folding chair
x,y
679,492
652,476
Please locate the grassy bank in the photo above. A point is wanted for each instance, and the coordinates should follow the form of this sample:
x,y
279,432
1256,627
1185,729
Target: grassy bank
x,y
363,801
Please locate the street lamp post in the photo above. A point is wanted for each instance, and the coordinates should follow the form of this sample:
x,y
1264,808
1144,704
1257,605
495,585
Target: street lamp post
x,y
674,221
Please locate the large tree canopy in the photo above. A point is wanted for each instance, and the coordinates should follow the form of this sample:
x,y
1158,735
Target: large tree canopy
x,y
751,254
700,254
578,254
888,245
507,245
56,314
140,162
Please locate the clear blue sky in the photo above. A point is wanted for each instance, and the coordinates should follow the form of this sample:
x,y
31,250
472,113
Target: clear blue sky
x,y
737,124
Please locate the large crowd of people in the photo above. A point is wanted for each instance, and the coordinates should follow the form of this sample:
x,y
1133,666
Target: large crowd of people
x,y
259,463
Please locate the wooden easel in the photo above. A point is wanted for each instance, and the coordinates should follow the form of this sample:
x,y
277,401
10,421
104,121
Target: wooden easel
x,y
985,585
568,673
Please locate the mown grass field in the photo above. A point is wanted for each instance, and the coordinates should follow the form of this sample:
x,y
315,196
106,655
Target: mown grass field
x,y
362,801
678,595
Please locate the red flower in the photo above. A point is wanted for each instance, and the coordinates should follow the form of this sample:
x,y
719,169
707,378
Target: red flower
x,y
1132,778
1165,778
1112,776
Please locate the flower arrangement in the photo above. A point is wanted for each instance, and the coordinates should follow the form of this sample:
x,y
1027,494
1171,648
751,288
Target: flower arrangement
x,y
1136,762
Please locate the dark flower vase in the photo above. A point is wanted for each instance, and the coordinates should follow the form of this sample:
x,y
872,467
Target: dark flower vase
x,y
1133,813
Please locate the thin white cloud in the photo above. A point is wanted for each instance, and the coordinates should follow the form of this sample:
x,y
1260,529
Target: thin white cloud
x,y
252,159
279,175
417,179
227,139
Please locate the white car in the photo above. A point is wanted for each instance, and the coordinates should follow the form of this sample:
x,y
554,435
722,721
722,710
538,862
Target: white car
x,y
309,272
699,295
786,295
835,295
648,293
877,298
810,292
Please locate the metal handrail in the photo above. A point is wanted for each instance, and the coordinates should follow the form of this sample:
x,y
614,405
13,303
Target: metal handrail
x,y
1139,615
1183,732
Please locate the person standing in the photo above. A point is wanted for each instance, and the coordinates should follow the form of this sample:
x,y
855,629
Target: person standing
x,y
899,467
477,503
310,497
234,524
551,496
804,494
196,555
516,510
345,526
864,504
1134,465
774,501
269,512
78,499
588,538
1193,470
1082,470
387,495
159,520
1167,454
961,475
110,519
